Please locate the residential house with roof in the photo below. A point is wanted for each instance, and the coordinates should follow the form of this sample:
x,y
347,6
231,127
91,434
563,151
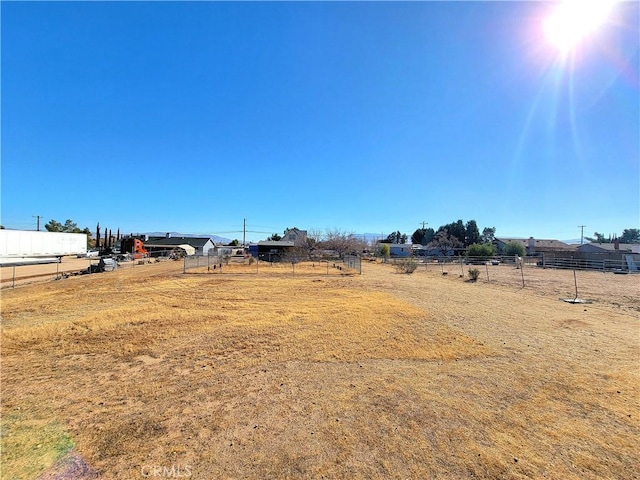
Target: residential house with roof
x,y
535,246
295,235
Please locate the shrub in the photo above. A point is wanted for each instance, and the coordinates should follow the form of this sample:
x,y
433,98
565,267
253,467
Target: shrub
x,y
406,265
474,273
481,251
514,248
385,250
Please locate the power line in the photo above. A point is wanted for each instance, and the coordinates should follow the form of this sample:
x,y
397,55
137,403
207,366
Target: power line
x,y
267,226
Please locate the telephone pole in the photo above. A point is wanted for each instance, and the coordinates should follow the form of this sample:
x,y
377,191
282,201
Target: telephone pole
x,y
38,221
244,231
423,224
581,227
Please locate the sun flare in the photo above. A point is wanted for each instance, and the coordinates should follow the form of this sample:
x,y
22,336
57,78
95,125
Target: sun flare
x,y
573,20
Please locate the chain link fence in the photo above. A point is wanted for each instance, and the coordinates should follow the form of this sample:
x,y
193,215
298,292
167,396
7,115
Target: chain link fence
x,y
64,267
271,264
570,279
593,261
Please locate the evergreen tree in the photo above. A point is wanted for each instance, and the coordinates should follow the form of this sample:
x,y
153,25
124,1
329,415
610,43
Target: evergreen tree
x,y
472,233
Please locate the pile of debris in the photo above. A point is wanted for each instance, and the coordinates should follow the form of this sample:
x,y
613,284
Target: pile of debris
x,y
105,264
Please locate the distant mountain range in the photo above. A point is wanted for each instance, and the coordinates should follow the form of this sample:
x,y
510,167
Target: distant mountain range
x,y
370,237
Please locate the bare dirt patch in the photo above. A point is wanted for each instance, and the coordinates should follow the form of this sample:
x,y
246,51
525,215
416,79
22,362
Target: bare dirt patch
x,y
71,467
375,376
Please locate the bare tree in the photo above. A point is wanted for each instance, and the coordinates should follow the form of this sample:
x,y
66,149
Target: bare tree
x,y
315,235
445,242
342,242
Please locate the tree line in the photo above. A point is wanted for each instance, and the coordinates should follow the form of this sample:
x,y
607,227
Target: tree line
x,y
106,240
454,235
462,235
629,235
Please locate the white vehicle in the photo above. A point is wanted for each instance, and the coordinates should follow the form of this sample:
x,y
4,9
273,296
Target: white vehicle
x,y
90,254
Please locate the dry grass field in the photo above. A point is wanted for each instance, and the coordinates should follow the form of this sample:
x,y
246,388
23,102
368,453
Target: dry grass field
x,y
151,373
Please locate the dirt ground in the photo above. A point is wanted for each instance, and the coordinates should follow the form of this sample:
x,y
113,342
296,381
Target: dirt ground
x,y
148,372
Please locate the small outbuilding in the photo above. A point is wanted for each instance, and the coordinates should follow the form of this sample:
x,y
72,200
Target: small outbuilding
x,y
271,250
400,249
162,245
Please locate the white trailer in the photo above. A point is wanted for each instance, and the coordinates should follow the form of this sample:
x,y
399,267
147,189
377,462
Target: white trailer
x,y
23,246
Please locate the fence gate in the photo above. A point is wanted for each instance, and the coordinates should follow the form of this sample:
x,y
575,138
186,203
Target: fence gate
x,y
353,262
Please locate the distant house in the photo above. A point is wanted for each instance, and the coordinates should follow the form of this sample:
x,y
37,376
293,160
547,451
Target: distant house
x,y
202,245
609,247
298,237
534,246
426,251
400,249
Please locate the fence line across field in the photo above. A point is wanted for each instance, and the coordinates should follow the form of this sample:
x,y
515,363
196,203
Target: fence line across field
x,y
269,263
583,281
59,268
597,262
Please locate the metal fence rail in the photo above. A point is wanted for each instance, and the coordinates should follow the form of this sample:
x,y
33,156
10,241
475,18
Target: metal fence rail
x,y
594,261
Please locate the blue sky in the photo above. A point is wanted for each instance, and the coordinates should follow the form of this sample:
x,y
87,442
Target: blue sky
x,y
360,116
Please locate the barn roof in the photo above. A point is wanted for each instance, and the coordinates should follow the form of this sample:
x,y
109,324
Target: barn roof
x,y
546,244
177,241
608,247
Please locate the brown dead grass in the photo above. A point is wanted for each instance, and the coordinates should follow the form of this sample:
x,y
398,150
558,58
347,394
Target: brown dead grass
x,y
375,376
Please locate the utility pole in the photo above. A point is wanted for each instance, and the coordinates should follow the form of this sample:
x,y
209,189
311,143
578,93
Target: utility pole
x,y
581,227
38,221
423,224
244,231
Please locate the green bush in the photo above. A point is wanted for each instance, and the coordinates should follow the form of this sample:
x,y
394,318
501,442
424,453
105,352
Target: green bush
x,y
385,250
474,274
481,251
514,248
